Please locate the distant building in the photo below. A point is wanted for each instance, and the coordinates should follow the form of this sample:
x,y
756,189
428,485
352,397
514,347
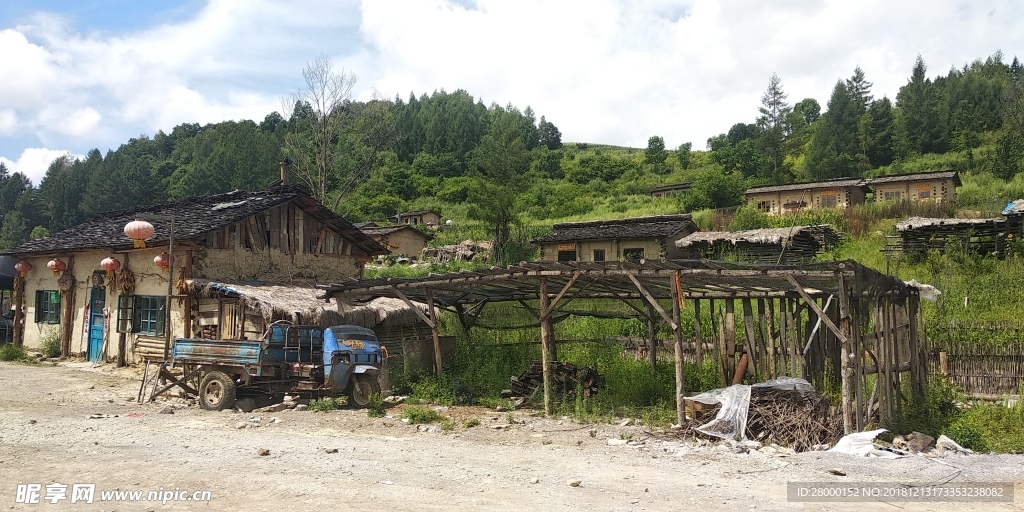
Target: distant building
x,y
613,240
939,187
402,240
792,198
791,245
428,218
670,190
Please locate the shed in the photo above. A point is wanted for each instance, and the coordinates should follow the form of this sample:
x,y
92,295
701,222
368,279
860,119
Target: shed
x,y
403,240
794,197
796,244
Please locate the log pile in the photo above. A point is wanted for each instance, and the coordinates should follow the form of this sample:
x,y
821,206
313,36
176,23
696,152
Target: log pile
x,y
792,420
566,379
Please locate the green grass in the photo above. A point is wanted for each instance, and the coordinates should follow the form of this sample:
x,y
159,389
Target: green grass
x,y
11,352
416,414
326,404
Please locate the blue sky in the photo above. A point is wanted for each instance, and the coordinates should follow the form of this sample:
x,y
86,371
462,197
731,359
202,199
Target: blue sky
x,y
92,74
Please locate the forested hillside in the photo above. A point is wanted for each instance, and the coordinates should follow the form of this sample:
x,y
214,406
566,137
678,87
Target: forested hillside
x,y
503,168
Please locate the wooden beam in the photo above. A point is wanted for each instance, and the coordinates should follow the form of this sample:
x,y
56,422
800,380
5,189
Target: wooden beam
x,y
817,325
677,338
846,353
545,313
415,309
652,301
546,335
814,306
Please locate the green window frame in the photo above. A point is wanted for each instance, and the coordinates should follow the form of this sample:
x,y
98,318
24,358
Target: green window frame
x,y
47,307
142,314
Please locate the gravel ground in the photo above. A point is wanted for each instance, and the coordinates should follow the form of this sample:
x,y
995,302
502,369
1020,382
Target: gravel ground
x,y
76,423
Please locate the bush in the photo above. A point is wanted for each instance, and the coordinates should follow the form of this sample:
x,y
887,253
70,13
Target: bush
x,y
967,434
375,409
50,343
11,352
417,414
326,404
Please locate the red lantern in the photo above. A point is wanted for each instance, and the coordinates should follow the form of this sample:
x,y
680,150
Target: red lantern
x,y
23,267
139,231
163,260
110,265
57,266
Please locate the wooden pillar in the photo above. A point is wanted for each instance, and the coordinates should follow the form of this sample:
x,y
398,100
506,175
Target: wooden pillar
x,y
677,338
916,361
546,335
755,365
67,291
19,310
845,352
652,336
186,317
438,370
699,354
729,333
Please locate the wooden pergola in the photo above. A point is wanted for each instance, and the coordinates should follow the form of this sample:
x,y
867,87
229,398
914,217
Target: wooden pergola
x,y
807,317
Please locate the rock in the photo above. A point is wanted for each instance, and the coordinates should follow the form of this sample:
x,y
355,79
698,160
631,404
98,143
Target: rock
x,y
301,407
918,442
31,422
331,450
289,398
946,444
245,404
574,483
634,502
820,447
275,419
617,442
534,480
626,422
241,425
593,432
167,410
837,472
263,452
498,427
277,407
750,445
395,399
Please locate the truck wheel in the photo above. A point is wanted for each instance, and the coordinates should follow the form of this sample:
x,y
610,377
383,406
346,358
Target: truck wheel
x,y
217,391
361,388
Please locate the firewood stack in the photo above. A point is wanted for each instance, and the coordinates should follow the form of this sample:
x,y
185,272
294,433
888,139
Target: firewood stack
x,y
566,378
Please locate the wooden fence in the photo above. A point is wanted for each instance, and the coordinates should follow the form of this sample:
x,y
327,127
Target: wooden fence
x,y
984,360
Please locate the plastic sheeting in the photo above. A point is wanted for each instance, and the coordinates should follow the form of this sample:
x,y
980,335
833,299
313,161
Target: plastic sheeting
x,y
862,444
731,420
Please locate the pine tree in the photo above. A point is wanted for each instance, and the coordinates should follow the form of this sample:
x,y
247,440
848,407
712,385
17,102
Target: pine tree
x,y
774,125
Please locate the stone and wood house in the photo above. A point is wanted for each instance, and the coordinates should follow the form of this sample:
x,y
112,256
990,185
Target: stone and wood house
x,y
674,189
428,218
280,241
401,240
615,240
939,187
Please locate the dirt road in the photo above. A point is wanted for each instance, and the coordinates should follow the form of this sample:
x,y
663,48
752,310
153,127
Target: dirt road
x,y
75,424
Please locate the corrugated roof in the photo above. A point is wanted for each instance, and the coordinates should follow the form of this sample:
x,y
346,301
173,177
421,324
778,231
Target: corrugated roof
x,y
658,226
836,183
194,217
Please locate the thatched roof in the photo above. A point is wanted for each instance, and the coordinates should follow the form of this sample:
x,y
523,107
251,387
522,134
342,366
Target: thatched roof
x,y
922,222
769,236
277,300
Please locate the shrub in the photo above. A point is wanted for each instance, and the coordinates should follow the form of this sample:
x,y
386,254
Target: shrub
x,y
375,409
416,414
11,352
326,404
472,422
50,343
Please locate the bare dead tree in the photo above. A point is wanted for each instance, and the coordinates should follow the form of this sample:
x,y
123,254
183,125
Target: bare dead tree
x,y
323,101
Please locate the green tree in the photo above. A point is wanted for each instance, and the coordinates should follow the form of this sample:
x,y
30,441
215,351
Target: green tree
x,y
918,103
500,163
712,188
684,154
880,144
774,125
834,149
549,134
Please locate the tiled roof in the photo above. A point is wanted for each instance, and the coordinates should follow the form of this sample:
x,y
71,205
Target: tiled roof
x,y
387,230
686,185
840,182
194,217
938,175
659,226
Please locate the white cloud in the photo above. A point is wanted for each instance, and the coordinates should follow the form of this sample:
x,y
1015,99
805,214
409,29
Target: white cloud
x,y
33,162
609,71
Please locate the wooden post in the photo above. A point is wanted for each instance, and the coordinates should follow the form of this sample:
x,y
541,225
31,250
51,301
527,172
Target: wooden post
x,y
698,332
783,334
186,316
754,364
771,338
546,335
917,384
846,352
858,366
944,363
19,310
68,303
677,338
432,312
652,336
730,333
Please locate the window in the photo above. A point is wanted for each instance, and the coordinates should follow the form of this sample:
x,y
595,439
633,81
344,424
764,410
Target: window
x,y
142,314
47,307
764,206
633,254
891,196
828,201
567,255
598,254
924,194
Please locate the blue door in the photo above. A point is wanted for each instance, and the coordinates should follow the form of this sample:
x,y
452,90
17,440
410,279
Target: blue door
x,y
98,299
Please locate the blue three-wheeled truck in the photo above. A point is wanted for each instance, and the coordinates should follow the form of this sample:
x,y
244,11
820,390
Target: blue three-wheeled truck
x,y
301,360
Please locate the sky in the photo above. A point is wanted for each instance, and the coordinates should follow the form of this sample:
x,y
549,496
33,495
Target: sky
x,y
84,74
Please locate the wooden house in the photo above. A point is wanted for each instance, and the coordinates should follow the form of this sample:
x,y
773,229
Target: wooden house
x,y
401,240
428,218
939,187
792,245
670,190
273,238
613,240
792,198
